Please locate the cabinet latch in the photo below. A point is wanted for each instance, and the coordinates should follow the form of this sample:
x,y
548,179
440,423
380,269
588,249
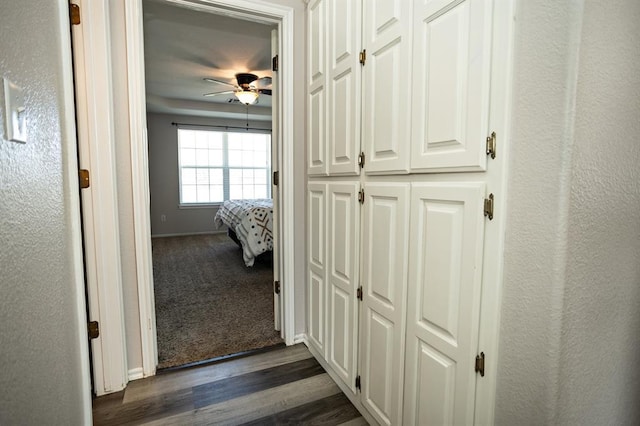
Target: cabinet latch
x,y
491,145
488,207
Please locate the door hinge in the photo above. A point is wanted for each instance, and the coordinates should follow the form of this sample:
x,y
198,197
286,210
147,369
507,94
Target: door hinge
x,y
488,207
358,384
359,293
361,160
363,56
480,364
276,178
361,196
94,329
491,145
74,14
276,287
275,63
85,182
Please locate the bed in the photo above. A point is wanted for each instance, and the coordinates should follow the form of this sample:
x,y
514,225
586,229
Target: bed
x,y
250,224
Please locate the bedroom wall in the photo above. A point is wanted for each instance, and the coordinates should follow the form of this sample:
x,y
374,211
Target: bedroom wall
x,y
569,346
44,358
163,176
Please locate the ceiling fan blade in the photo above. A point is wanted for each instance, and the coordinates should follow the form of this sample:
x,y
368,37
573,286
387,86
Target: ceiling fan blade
x,y
261,83
213,80
226,92
265,92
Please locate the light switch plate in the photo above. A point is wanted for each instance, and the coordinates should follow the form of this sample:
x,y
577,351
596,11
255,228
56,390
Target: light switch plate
x,y
15,113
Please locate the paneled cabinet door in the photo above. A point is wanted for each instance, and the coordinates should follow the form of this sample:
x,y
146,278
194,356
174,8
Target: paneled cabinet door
x,y
387,85
446,245
316,89
317,278
451,66
344,81
382,317
344,234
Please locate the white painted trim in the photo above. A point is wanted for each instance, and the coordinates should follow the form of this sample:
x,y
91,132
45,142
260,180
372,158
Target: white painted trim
x,y
140,185
136,373
72,191
134,40
300,338
96,146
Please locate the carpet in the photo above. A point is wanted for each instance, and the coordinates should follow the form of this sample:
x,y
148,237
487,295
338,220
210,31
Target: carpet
x,y
208,303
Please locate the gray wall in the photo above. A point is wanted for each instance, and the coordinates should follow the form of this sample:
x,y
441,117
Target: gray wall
x,y
163,176
569,346
44,378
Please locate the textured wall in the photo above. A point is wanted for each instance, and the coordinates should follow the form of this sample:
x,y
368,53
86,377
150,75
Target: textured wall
x,y
600,352
44,378
570,324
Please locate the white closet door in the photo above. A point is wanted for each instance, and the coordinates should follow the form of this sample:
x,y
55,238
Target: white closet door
x,y
344,234
316,85
451,68
387,85
317,278
446,246
382,318
343,44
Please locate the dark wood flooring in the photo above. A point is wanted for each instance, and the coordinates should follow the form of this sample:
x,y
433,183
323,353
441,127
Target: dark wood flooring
x,y
284,386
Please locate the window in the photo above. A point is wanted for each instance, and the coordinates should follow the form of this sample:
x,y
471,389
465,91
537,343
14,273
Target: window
x,y
215,166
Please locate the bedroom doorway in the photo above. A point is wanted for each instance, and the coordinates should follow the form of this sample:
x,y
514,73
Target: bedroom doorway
x,y
198,275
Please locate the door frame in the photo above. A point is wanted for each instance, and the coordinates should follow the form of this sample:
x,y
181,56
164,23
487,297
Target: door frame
x,y
97,96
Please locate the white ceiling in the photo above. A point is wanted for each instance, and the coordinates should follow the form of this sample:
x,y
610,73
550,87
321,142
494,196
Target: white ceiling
x,y
183,46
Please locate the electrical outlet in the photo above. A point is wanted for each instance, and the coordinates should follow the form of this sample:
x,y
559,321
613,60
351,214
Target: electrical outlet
x,y
163,218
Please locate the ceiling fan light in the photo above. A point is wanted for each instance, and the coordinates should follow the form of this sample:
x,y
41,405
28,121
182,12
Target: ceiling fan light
x,y
247,97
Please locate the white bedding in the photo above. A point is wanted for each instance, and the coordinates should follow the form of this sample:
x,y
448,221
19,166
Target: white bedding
x,y
252,221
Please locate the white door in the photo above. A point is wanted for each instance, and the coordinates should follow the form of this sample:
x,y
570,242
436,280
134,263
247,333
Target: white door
x,y
385,246
342,258
387,86
445,278
275,193
343,46
451,66
317,262
316,95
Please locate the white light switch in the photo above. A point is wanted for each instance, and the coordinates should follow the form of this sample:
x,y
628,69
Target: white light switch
x,y
15,113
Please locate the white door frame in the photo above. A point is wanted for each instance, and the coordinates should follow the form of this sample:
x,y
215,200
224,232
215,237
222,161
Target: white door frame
x,y
244,9
96,123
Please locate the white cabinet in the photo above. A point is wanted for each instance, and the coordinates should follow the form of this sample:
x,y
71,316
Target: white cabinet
x,y
431,90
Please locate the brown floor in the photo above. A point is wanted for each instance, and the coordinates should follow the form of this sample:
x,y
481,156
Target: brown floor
x,y
281,386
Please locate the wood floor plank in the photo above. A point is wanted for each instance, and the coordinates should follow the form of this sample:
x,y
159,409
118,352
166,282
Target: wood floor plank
x,y
256,405
329,411
222,390
181,379
359,421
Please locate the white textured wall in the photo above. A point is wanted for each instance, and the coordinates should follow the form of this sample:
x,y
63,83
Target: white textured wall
x,y
569,346
44,371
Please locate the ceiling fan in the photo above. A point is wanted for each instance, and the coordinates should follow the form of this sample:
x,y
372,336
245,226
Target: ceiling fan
x,y
248,88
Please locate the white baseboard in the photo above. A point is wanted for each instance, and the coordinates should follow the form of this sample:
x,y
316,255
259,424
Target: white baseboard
x,y
300,338
135,373
184,234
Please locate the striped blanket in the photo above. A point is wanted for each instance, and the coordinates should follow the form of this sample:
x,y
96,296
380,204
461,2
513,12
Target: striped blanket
x,y
252,221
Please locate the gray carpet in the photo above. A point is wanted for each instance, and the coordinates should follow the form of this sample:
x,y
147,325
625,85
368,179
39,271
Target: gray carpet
x,y
208,303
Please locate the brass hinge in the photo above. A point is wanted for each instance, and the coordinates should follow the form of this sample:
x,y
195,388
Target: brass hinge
x,y
358,384
276,178
480,364
361,160
363,56
491,145
85,182
276,287
359,293
94,329
275,63
361,196
488,207
74,14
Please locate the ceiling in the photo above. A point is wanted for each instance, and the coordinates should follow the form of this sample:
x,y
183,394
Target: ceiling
x,y
182,46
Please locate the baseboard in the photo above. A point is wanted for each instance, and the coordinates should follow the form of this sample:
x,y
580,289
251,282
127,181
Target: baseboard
x,y
300,338
185,234
135,373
